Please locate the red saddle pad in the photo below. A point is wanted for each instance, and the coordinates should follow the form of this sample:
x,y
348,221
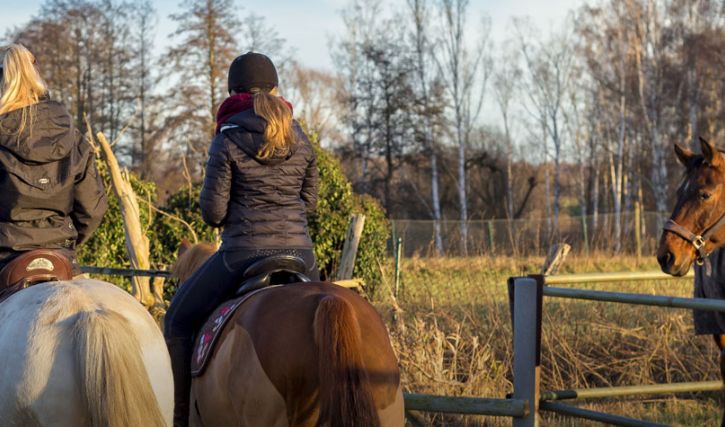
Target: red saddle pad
x,y
208,336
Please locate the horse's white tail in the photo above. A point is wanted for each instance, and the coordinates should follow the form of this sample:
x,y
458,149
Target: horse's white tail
x,y
115,385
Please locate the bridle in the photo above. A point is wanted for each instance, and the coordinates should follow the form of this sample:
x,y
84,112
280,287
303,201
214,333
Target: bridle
x,y
698,240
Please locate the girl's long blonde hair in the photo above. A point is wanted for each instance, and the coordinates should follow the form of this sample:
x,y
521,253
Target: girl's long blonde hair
x,y
22,86
279,136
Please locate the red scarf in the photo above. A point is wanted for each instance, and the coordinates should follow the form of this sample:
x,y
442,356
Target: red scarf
x,y
236,104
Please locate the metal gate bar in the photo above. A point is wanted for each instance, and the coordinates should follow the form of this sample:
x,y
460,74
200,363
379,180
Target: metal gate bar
x,y
466,405
637,299
601,392
602,417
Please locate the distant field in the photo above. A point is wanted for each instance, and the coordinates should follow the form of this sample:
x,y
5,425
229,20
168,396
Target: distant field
x,y
452,332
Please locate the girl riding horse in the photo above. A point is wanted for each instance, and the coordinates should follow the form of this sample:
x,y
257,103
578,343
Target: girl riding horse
x,y
52,195
74,353
260,184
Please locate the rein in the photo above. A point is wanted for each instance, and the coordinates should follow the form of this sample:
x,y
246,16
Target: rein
x,y
698,240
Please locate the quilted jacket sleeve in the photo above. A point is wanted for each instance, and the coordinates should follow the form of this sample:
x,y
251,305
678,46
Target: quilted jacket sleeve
x,y
309,184
89,199
215,192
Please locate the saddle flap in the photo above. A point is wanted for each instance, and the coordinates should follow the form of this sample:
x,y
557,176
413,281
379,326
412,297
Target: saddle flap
x,y
36,266
207,337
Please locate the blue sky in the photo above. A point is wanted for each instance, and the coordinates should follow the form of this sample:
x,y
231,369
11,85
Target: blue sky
x,y
307,25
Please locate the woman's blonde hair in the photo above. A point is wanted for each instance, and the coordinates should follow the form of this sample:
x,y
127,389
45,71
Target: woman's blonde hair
x,y
22,86
279,136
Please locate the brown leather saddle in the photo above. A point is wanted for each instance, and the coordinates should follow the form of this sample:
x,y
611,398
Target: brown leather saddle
x,y
33,267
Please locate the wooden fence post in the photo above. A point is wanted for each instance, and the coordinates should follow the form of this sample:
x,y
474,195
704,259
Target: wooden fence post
x,y
555,258
398,257
349,250
585,231
491,237
638,230
526,297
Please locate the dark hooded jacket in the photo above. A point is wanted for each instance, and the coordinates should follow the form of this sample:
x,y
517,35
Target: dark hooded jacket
x,y
261,203
51,195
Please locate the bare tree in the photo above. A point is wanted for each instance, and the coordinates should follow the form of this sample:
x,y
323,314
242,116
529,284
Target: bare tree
x,y
549,71
200,60
315,94
362,21
422,44
647,45
463,72
257,36
145,19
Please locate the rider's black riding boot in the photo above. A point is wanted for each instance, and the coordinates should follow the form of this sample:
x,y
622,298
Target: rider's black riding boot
x,y
180,350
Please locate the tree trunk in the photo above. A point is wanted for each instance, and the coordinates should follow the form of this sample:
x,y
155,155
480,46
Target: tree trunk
x,y
137,244
436,202
462,195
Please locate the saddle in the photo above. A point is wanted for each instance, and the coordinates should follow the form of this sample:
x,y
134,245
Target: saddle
x,y
33,267
273,270
270,272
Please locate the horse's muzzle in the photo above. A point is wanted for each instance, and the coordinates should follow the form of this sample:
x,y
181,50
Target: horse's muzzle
x,y
667,259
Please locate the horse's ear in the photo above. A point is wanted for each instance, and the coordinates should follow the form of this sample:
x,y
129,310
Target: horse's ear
x,y
184,246
683,155
710,153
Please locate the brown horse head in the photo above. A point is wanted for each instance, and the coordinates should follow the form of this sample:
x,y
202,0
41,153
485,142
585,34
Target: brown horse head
x,y
190,258
695,228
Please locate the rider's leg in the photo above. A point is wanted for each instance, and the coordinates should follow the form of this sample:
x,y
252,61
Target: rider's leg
x,y
193,302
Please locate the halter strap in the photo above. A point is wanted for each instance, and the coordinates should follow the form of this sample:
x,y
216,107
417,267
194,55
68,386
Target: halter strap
x,y
698,241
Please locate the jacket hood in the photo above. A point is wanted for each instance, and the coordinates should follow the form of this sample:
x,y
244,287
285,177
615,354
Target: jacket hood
x,y
246,130
51,138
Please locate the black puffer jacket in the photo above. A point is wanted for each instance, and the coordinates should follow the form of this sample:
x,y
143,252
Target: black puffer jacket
x,y
50,193
260,203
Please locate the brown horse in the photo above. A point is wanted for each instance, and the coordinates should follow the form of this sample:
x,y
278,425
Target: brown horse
x,y
696,227
307,354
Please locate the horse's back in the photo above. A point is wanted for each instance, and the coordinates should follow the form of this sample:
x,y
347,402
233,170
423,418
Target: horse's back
x,y
275,330
39,371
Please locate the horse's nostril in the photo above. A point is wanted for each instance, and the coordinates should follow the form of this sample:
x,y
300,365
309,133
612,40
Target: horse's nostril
x,y
666,259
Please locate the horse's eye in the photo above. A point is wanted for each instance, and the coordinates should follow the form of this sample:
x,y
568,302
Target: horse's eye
x,y
704,196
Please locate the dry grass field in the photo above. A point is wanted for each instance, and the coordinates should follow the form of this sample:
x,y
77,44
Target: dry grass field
x,y
452,332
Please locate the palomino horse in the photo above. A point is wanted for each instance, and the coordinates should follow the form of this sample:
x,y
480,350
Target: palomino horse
x,y
305,354
82,353
696,227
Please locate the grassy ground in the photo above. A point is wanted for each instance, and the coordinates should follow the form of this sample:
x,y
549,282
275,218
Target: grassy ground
x,y
452,330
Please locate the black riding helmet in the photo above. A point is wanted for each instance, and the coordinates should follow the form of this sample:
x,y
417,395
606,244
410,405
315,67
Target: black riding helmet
x,y
252,70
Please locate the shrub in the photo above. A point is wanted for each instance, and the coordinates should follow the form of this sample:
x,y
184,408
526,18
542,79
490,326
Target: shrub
x,y
328,226
170,231
107,246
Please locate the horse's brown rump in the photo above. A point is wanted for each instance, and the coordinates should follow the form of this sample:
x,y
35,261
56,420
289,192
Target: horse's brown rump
x,y
280,323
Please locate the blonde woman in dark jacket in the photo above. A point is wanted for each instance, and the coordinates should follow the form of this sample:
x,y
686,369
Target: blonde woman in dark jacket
x,y
260,185
51,194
